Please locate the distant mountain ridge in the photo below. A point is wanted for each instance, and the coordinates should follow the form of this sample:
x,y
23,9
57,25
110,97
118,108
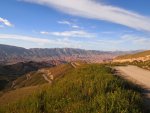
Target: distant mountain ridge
x,y
12,54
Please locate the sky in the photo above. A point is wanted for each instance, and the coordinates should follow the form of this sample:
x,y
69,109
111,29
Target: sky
x,y
107,25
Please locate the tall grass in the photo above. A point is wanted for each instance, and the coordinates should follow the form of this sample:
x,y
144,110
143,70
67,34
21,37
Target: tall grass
x,y
92,89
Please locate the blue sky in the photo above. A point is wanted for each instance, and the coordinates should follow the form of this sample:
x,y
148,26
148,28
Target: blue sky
x,y
86,24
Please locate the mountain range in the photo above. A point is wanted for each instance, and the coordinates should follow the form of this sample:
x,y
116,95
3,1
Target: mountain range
x,y
12,54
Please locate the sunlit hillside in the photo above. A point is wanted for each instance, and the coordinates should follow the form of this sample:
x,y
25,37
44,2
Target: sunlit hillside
x,y
145,54
87,89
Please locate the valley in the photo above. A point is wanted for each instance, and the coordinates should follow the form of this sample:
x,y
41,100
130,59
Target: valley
x,y
74,56
74,84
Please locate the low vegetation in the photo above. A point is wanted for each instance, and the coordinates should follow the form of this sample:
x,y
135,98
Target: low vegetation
x,y
36,77
129,56
89,89
142,64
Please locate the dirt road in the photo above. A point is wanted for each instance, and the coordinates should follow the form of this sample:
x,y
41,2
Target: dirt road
x,y
138,76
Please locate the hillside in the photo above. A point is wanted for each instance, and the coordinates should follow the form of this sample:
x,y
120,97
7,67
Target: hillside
x,y
9,73
137,55
140,59
38,77
140,56
88,88
26,85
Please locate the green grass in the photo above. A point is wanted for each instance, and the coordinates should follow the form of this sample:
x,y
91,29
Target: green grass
x,y
89,89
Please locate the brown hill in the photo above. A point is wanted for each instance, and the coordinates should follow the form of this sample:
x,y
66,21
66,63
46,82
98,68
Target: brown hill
x,y
140,56
9,73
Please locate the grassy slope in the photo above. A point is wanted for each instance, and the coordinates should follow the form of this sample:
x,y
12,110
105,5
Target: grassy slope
x,y
15,95
90,89
141,54
24,87
37,78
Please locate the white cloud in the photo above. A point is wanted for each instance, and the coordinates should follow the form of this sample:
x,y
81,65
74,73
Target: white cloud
x,y
63,42
96,10
75,26
5,22
23,38
64,22
125,42
139,40
78,33
71,24
44,32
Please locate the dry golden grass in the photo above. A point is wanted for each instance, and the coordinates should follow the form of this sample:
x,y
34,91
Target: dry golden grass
x,y
140,54
92,89
25,88
14,95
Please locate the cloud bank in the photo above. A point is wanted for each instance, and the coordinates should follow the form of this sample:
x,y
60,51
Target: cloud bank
x,y
125,42
96,10
23,38
63,42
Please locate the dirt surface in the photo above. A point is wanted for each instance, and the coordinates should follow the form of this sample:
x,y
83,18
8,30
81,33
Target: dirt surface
x,y
73,65
138,76
47,79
